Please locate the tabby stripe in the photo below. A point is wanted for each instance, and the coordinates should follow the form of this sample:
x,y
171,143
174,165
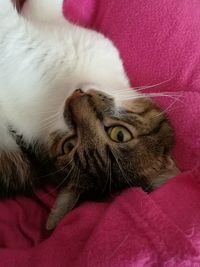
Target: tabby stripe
x,y
147,110
156,129
96,164
99,157
86,157
76,157
94,159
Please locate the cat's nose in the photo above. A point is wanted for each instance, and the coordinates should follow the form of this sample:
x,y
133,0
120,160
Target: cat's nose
x,y
77,93
79,90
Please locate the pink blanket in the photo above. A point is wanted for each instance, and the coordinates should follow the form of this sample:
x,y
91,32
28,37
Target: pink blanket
x,y
159,41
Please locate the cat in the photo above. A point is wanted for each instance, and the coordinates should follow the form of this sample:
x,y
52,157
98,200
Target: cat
x,y
55,79
108,148
41,65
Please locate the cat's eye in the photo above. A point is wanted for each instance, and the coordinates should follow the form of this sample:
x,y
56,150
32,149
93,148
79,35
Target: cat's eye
x,y
119,134
68,145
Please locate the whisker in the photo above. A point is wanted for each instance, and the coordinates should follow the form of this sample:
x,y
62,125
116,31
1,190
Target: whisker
x,y
108,175
54,172
119,165
48,124
76,177
54,116
61,183
47,111
167,109
143,87
166,94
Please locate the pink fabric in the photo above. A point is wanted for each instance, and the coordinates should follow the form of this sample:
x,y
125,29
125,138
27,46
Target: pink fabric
x,y
134,229
159,40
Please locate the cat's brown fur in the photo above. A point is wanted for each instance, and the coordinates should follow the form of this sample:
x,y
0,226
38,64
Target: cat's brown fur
x,y
93,165
15,165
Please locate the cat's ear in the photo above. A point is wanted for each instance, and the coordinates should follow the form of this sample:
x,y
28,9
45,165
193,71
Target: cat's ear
x,y
169,171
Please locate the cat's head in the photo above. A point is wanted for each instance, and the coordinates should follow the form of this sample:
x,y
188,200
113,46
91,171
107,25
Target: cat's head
x,y
110,147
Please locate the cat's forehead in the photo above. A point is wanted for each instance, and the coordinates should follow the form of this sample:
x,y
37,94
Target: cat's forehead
x,y
140,106
120,95
126,100
140,113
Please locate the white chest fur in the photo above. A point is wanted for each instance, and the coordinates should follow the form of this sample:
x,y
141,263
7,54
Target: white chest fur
x,y
42,63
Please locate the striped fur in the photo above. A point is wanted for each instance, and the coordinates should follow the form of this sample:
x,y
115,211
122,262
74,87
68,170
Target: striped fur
x,y
95,167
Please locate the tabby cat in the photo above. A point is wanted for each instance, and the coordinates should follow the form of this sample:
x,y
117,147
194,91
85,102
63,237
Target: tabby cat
x,y
99,143
108,148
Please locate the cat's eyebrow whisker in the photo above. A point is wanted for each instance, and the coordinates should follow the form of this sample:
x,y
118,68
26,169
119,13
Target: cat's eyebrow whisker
x,y
172,96
167,109
142,87
166,94
142,95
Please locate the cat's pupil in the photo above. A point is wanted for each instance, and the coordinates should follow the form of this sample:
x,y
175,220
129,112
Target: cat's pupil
x,y
120,136
70,146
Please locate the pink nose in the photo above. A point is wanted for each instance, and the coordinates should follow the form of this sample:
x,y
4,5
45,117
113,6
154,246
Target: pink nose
x,y
77,93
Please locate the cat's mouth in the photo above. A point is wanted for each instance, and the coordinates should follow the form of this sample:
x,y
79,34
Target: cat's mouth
x,y
82,107
78,107
77,101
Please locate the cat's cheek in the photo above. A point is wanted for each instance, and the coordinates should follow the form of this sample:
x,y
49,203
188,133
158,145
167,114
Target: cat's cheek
x,y
62,161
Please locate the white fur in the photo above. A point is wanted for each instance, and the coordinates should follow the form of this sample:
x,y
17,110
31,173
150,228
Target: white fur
x,y
41,64
44,11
